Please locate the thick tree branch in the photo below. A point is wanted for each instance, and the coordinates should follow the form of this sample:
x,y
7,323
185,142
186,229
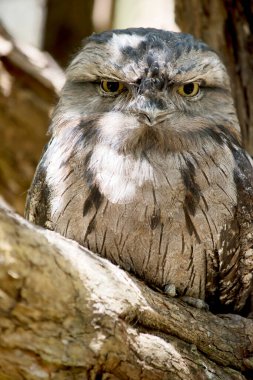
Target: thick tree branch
x,y
66,312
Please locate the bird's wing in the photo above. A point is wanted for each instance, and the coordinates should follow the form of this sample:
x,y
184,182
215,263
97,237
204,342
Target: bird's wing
x,y
37,202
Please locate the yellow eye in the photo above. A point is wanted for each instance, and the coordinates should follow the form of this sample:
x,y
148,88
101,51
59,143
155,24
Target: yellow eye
x,y
112,88
188,89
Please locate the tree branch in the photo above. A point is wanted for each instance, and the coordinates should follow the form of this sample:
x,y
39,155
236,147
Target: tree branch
x,y
68,313
30,82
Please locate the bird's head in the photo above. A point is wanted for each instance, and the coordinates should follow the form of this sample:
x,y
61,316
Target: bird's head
x,y
143,89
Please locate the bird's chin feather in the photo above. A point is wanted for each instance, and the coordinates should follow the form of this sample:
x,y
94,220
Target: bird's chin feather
x,y
144,139
164,139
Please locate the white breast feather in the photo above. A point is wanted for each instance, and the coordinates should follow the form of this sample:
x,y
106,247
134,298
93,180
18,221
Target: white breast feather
x,y
118,176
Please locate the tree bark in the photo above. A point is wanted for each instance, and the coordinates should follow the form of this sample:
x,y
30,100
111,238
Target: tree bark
x,y
66,313
30,82
227,26
67,24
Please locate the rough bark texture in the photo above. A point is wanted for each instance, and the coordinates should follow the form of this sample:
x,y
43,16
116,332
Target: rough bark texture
x,y
227,26
29,84
66,313
67,24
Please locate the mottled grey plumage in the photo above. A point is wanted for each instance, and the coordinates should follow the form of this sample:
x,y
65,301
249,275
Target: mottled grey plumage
x,y
149,176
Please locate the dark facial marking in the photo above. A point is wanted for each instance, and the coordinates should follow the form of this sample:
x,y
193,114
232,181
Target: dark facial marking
x,y
86,131
150,59
154,70
152,84
158,103
185,69
179,49
154,39
135,53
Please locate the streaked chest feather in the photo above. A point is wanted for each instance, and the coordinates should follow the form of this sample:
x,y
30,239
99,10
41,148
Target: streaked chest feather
x,y
195,181
160,217
195,193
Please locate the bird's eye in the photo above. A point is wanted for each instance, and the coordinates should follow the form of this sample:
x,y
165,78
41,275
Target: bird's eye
x,y
112,88
188,89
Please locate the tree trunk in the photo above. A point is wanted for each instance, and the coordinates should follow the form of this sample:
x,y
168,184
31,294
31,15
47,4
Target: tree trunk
x,y
227,26
66,313
67,24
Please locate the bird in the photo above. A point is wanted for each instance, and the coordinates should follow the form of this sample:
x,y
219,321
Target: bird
x,y
145,166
